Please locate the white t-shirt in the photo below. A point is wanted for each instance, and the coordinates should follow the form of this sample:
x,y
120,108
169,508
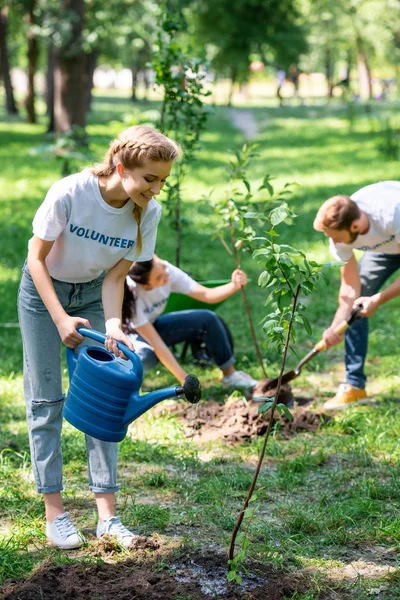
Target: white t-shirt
x,y
90,235
150,304
381,202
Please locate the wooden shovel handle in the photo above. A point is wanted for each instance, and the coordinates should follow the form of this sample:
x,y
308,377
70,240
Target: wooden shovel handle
x,y
341,328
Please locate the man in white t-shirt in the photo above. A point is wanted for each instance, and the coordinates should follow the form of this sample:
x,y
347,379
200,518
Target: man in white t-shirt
x,y
369,220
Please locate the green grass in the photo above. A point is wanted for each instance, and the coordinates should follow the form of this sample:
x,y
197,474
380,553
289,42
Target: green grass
x,y
325,499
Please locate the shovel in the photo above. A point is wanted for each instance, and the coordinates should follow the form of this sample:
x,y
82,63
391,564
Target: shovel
x,y
341,328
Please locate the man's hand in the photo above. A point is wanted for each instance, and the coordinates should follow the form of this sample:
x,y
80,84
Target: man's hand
x,y
370,304
331,338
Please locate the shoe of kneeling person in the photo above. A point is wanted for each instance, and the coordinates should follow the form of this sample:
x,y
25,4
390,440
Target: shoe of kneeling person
x,y
238,381
63,534
113,526
347,395
249,378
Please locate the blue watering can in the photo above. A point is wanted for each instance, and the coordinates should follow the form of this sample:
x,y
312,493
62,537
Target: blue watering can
x,y
103,397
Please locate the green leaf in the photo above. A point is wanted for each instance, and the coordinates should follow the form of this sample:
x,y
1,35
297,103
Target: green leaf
x,y
308,286
302,319
278,215
264,278
291,250
252,215
284,409
265,407
262,252
270,324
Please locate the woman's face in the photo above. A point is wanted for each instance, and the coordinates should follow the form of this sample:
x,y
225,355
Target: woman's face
x,y
158,275
142,183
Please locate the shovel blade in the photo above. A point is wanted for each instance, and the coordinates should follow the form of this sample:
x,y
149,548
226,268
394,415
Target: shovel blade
x,y
285,379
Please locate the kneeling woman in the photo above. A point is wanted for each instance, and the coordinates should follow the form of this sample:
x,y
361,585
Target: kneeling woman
x,y
147,289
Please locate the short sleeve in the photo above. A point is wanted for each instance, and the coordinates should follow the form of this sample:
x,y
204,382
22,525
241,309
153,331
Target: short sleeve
x,y
396,224
149,236
181,283
52,216
140,317
340,251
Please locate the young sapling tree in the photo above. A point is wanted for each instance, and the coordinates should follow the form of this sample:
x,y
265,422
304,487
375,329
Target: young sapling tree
x,y
287,274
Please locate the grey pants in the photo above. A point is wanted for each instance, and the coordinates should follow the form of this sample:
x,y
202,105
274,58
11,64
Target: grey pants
x,y
44,397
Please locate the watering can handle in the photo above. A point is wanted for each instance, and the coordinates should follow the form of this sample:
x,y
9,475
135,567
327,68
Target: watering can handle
x,y
100,337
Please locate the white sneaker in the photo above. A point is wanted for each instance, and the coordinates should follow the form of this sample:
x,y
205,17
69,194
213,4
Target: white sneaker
x,y
63,533
113,526
249,378
238,380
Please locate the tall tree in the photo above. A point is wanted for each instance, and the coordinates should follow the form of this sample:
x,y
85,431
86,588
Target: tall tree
x,y
33,50
69,75
234,31
5,63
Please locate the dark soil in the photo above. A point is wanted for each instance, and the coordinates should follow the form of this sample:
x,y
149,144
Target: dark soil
x,y
189,577
238,419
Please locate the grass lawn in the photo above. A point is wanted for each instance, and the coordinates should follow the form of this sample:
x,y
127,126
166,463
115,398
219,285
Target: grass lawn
x,y
329,501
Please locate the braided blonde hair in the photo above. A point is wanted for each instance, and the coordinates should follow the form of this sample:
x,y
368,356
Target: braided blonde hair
x,y
132,148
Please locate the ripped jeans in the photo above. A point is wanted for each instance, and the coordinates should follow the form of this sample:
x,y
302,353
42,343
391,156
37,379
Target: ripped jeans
x,y
44,397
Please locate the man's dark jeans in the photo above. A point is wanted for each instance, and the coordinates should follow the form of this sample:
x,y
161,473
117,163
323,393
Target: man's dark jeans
x,y
375,269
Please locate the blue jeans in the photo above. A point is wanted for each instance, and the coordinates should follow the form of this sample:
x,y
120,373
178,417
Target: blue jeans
x,y
375,268
44,398
189,326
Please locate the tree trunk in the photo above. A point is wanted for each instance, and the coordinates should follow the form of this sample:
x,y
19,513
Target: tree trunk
x,y
5,63
33,51
135,72
50,87
329,72
364,72
364,76
234,74
146,83
69,75
90,65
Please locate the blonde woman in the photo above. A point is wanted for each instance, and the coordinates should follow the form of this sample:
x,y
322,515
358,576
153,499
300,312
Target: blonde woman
x,y
86,234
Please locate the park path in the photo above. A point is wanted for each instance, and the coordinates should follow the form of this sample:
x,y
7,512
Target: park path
x,y
244,121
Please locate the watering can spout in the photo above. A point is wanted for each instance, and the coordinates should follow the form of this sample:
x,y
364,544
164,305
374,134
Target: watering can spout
x,y
138,405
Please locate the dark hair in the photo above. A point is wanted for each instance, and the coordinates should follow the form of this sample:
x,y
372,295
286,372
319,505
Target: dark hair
x,y
139,273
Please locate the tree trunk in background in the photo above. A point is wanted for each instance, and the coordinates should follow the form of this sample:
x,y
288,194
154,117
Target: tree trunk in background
x,y
364,72
90,65
50,87
364,76
396,66
5,63
69,75
146,83
135,72
329,71
234,74
33,51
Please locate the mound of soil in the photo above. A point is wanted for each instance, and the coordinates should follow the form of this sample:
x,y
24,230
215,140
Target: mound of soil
x,y
194,577
237,419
